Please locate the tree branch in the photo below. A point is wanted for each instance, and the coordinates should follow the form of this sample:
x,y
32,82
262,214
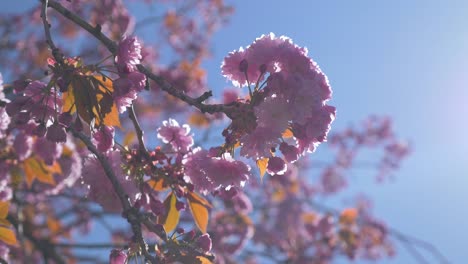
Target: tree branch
x,y
163,84
130,213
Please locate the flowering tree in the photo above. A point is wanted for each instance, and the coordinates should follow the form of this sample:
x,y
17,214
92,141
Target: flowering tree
x,y
74,152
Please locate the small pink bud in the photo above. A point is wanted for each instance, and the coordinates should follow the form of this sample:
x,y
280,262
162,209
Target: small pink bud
x,y
243,65
56,133
65,119
276,165
180,230
40,130
190,235
204,242
180,206
117,256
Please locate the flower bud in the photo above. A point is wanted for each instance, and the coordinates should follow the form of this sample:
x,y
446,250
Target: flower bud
x,y
204,242
117,256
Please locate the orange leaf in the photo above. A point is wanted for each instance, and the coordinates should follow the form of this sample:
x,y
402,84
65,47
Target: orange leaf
x,y
7,236
198,207
35,168
262,165
278,196
288,133
348,216
171,218
112,118
91,96
68,100
158,185
198,119
203,260
5,223
4,209
309,218
197,198
129,138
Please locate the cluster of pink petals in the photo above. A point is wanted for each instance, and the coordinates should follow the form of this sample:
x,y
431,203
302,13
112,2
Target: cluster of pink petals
x,y
128,54
100,188
126,89
294,97
42,104
104,138
207,172
131,82
178,136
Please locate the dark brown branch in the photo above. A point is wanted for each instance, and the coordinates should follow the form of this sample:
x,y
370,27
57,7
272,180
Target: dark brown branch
x,y
139,131
95,31
163,84
50,42
130,213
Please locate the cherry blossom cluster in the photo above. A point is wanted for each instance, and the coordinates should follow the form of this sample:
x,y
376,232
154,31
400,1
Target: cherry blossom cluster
x,y
286,109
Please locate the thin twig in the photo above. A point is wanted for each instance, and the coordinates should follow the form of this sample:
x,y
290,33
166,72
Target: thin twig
x,y
50,42
139,131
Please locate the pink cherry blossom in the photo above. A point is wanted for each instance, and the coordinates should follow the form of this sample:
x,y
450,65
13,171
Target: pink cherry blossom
x,y
117,256
104,138
293,97
208,173
100,189
178,136
128,54
126,89
276,165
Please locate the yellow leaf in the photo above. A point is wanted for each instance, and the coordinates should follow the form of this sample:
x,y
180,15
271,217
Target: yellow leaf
x,y
198,206
157,185
203,260
112,118
4,222
68,100
53,225
16,177
86,94
129,138
7,236
309,217
288,133
262,165
348,216
35,168
198,119
171,218
278,196
67,152
4,209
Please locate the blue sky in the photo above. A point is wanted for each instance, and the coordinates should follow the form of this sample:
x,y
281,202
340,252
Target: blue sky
x,y
405,59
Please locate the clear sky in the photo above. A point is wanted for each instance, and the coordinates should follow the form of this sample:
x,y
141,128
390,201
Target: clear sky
x,y
405,59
